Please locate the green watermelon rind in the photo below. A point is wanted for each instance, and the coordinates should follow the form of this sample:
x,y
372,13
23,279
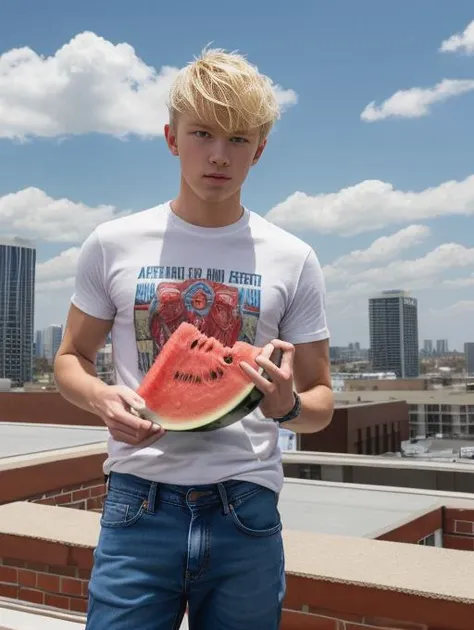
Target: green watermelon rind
x,y
234,411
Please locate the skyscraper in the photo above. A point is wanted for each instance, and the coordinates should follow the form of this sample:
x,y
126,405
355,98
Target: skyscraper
x,y
52,337
469,355
17,305
393,324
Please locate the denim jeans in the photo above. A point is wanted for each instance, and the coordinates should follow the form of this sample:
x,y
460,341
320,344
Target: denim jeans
x,y
214,550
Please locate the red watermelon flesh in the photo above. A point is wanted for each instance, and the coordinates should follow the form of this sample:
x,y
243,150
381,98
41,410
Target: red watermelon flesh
x,y
196,383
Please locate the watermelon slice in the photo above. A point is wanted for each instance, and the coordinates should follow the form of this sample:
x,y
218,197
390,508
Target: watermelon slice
x,y
196,383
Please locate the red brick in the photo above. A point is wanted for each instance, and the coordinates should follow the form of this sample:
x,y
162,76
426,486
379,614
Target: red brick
x,y
78,495
60,570
382,622
48,582
13,562
459,514
9,574
9,590
37,566
78,605
465,543
57,601
97,491
84,574
463,527
448,525
71,586
26,578
345,616
293,620
63,498
29,595
48,501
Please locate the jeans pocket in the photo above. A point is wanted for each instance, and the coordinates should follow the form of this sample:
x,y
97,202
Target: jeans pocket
x,y
121,509
256,514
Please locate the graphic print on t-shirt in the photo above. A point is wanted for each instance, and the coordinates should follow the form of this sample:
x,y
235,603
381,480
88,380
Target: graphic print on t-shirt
x,y
224,304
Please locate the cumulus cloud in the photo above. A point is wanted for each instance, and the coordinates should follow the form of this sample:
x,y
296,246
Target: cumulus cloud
x,y
412,274
416,102
460,283
58,272
382,249
372,205
460,42
90,85
32,213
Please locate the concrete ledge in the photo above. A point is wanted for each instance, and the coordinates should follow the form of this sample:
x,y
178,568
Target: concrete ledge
x,y
443,574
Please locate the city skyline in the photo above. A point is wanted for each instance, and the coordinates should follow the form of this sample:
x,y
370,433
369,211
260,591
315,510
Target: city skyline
x,y
370,161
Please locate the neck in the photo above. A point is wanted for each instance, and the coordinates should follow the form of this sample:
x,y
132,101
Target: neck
x,y
189,207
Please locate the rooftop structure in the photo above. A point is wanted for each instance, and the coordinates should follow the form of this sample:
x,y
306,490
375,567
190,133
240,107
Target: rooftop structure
x,y
348,545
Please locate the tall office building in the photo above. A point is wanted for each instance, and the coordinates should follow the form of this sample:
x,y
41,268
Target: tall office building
x,y
469,356
393,324
17,305
442,347
52,337
428,347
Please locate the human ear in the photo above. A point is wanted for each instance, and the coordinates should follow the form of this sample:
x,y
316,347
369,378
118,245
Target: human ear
x,y
259,151
171,139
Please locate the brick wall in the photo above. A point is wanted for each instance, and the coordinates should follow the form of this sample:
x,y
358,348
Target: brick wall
x,y
416,529
458,529
83,496
59,586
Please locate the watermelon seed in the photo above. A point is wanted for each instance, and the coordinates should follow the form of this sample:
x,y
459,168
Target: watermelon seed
x,y
213,375
194,343
177,375
228,359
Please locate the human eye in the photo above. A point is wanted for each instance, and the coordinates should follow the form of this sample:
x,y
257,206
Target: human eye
x,y
199,133
239,140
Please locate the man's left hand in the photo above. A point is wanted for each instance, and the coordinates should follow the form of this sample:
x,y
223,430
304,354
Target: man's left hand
x,y
278,393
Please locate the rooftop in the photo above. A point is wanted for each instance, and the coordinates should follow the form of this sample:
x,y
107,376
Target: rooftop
x,y
335,567
434,396
25,438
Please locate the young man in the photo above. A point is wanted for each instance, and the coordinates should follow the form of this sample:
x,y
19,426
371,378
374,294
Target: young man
x,y
191,519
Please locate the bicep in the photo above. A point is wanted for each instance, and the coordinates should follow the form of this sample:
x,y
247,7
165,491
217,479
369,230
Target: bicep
x,y
311,365
84,334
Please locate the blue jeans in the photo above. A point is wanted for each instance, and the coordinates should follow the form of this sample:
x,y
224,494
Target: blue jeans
x,y
215,549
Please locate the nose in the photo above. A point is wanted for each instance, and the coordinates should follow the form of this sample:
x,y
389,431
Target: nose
x,y
219,155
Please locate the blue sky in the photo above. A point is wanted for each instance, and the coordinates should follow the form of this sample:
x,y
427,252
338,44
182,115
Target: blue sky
x,y
337,57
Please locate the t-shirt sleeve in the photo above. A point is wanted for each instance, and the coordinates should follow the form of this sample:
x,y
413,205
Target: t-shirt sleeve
x,y
90,287
305,316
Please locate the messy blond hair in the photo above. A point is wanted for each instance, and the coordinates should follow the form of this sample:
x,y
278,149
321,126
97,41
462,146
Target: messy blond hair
x,y
224,88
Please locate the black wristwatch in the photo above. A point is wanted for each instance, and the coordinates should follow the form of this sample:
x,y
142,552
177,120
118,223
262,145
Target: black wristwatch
x,y
293,413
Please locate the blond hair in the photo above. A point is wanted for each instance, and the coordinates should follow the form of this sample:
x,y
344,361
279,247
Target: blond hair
x,y
224,88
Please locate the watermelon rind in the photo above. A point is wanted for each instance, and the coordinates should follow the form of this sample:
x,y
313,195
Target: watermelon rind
x,y
233,411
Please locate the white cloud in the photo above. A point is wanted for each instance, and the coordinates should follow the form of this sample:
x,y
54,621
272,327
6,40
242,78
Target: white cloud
x,y
372,205
31,213
415,274
381,250
89,85
460,41
462,307
58,272
460,283
416,102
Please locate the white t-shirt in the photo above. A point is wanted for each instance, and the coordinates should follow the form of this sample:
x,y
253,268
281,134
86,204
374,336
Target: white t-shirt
x,y
250,280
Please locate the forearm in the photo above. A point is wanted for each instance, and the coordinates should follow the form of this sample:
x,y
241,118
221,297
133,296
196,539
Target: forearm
x,y
317,405
77,380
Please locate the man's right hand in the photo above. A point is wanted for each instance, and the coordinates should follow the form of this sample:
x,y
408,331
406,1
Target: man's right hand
x,y
115,404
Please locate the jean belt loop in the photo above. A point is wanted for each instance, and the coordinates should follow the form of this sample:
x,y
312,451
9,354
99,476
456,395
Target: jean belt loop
x,y
224,498
151,501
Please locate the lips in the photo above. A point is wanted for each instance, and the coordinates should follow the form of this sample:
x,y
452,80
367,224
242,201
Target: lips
x,y
217,177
